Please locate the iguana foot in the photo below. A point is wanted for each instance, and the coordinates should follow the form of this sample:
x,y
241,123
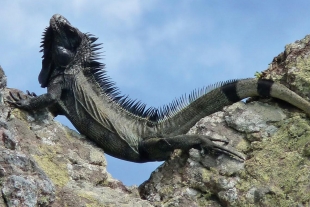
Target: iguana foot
x,y
208,146
20,101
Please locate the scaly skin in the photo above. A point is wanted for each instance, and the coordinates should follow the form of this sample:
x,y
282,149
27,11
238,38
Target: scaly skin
x,y
78,88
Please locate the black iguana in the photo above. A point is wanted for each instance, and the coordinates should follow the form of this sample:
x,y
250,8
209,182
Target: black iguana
x,y
78,87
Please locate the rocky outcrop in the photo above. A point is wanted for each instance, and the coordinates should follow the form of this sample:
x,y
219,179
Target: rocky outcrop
x,y
275,137
44,163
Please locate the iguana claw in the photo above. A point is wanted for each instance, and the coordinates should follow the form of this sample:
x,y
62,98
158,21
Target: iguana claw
x,y
232,153
16,99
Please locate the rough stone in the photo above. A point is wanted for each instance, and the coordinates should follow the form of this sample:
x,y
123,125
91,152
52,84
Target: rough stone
x,y
20,191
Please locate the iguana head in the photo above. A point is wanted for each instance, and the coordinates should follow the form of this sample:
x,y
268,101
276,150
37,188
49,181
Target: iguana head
x,y
66,50
63,46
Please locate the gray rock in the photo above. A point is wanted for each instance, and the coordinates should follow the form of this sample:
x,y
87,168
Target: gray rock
x,y
255,119
20,191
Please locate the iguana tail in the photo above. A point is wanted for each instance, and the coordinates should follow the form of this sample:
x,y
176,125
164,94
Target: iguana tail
x,y
224,94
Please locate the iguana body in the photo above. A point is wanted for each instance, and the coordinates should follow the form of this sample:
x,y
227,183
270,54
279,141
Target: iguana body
x,y
78,88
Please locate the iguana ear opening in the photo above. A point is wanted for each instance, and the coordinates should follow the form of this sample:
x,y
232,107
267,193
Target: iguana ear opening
x,y
45,73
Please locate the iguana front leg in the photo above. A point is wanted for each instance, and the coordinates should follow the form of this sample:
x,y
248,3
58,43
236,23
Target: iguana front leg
x,y
31,101
158,149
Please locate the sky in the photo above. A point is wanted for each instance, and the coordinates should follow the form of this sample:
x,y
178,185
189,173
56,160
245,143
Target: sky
x,y
155,51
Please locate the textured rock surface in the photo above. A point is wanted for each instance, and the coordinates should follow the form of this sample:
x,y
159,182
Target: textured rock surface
x,y
43,163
